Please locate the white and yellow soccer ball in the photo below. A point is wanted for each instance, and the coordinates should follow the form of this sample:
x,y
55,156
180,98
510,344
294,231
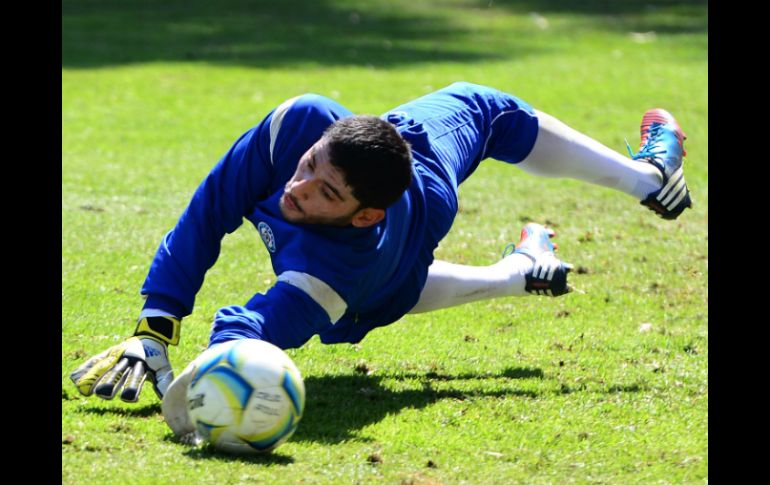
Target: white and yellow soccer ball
x,y
246,396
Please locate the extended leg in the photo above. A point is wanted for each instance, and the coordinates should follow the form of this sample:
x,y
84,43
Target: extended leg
x,y
468,123
532,268
654,175
561,151
451,284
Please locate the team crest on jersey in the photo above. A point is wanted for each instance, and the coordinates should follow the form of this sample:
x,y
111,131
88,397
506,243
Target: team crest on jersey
x,y
267,236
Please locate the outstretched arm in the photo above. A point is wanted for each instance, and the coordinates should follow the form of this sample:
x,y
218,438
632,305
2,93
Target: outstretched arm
x,y
255,167
177,272
227,194
285,316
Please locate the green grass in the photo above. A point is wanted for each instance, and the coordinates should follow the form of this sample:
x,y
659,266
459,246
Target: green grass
x,y
519,390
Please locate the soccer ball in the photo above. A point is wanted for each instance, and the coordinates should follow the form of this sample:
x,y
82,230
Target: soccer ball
x,y
246,396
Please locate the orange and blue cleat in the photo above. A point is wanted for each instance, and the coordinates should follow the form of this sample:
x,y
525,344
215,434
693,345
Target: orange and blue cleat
x,y
548,275
662,145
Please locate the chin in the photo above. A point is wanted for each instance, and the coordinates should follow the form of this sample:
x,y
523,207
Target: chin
x,y
295,218
287,213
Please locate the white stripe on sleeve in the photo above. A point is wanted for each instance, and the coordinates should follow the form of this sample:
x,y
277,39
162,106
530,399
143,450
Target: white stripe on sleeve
x,y
276,121
319,291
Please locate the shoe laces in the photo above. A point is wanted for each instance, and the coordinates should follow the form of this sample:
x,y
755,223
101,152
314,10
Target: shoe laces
x,y
649,151
509,249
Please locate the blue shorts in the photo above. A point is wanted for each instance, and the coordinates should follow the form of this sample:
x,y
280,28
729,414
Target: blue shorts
x,y
453,129
450,131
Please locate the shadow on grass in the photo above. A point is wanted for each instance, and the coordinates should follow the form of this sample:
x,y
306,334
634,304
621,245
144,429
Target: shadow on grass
x,y
338,405
659,16
132,412
259,33
510,373
266,33
208,452
593,7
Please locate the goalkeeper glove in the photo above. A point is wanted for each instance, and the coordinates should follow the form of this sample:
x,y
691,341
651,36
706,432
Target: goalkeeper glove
x,y
129,363
174,404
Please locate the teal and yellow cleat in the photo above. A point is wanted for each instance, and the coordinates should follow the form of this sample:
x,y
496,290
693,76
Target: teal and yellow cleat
x,y
662,145
548,275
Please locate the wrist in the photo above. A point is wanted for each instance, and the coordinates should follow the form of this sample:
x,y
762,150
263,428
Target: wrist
x,y
167,329
161,304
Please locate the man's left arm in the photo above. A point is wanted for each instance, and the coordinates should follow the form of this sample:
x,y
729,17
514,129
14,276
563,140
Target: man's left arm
x,y
286,316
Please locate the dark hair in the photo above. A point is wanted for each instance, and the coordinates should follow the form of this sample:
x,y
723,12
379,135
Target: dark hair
x,y
376,160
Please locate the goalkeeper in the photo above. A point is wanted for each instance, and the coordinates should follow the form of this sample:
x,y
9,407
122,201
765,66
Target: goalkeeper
x,y
351,208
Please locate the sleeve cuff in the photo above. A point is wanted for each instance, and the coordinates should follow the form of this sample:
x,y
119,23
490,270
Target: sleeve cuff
x,y
162,306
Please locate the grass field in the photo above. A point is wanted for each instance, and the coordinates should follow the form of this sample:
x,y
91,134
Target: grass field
x,y
605,386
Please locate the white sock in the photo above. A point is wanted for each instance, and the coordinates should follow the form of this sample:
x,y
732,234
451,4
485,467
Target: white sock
x,y
450,284
561,151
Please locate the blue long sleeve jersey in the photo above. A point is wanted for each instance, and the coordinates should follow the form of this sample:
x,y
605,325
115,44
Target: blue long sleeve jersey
x,y
339,283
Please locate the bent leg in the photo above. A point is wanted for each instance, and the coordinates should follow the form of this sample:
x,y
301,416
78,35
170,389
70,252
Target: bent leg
x,y
450,284
466,123
561,151
530,267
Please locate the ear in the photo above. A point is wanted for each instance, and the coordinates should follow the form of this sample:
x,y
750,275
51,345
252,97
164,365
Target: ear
x,y
367,217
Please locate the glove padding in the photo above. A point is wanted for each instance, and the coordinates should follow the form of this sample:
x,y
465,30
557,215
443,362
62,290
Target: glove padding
x,y
174,405
126,366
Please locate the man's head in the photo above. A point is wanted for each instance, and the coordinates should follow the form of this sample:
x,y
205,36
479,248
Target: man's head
x,y
359,167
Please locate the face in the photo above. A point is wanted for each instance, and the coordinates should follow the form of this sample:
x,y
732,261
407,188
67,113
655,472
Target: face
x,y
317,192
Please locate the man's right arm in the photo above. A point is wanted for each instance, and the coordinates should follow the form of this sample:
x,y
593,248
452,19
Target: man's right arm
x,y
232,187
227,194
257,164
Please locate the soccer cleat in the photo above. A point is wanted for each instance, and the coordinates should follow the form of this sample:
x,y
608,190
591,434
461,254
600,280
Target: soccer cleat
x,y
548,275
662,145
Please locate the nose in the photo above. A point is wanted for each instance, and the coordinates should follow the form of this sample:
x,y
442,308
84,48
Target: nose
x,y
303,187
